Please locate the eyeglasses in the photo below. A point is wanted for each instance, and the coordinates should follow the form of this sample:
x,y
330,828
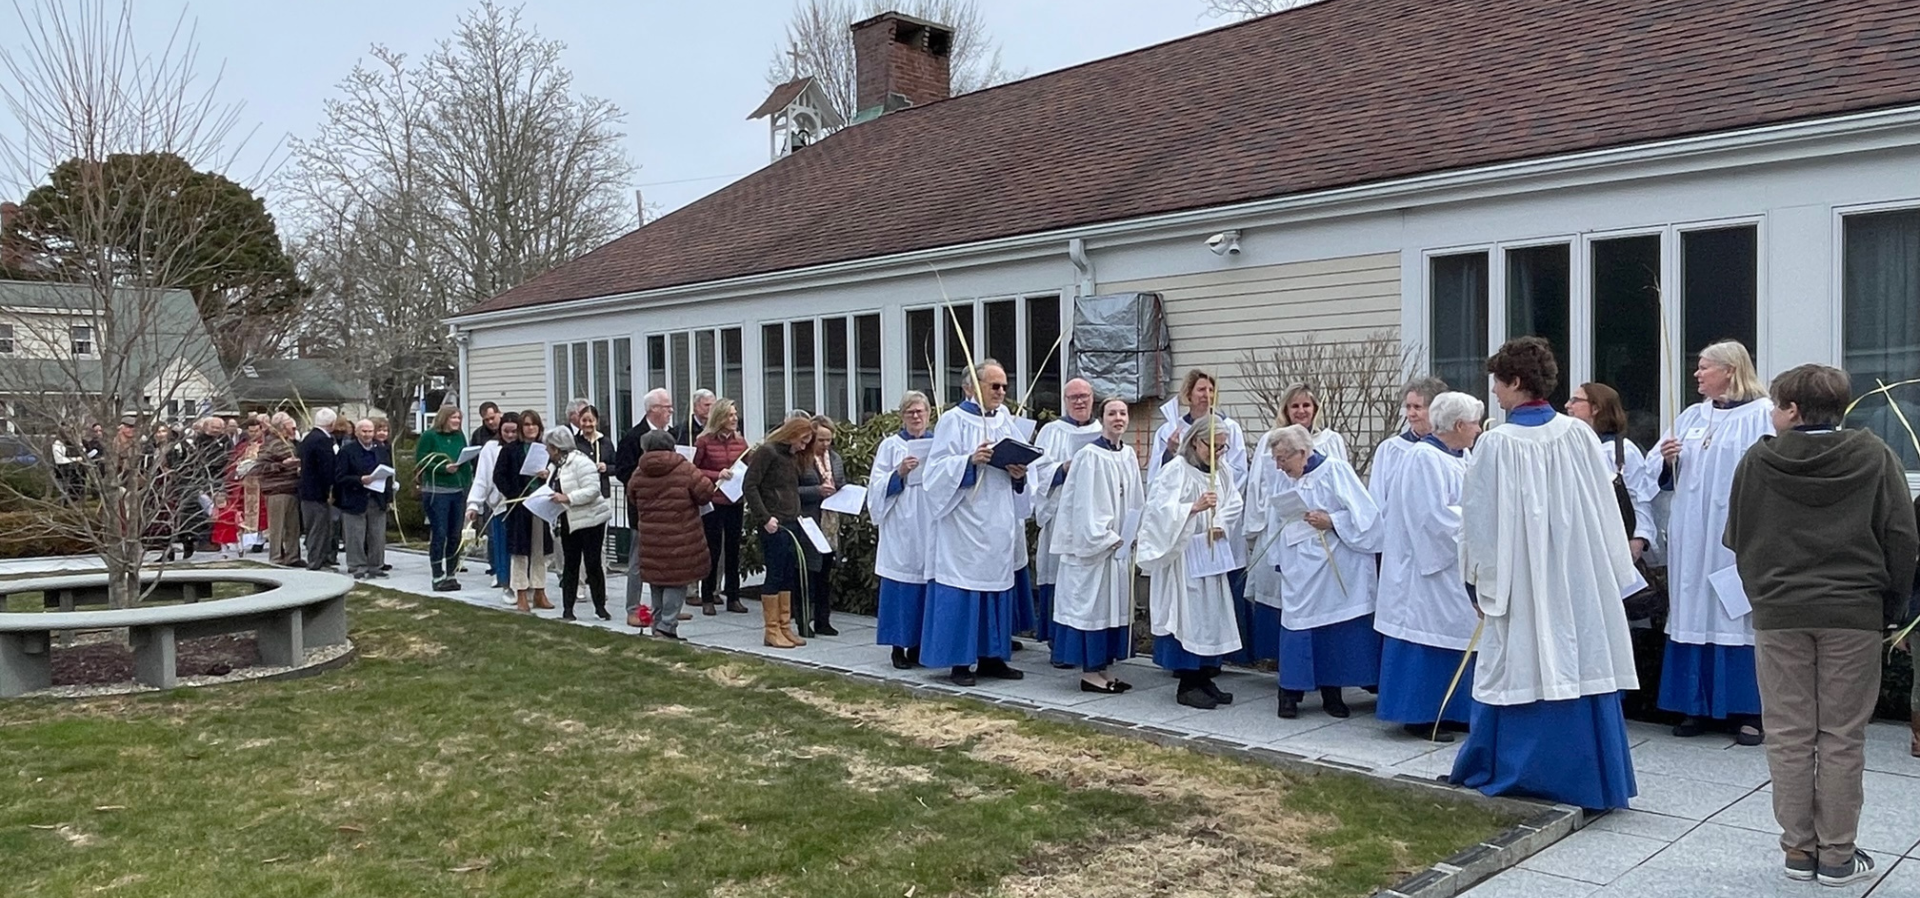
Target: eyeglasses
x,y
997,388
1578,399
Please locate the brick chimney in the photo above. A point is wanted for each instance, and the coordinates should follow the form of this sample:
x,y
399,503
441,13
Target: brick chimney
x,y
900,61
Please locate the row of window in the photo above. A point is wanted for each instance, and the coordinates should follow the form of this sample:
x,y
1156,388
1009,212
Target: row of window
x,y
79,339
829,366
600,371
1611,303
1022,333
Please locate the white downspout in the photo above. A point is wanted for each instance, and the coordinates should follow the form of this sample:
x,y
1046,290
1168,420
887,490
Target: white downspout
x,y
1085,286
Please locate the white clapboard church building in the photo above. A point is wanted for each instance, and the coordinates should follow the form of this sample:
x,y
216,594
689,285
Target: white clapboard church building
x,y
1629,178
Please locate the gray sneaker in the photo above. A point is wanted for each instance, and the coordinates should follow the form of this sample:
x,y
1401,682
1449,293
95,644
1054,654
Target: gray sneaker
x,y
1800,867
1858,868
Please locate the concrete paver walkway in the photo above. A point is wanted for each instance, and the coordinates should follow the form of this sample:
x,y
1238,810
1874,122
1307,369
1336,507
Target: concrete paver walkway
x,y
1702,825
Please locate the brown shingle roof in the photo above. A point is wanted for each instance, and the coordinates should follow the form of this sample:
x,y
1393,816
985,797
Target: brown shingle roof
x,y
781,96
1338,93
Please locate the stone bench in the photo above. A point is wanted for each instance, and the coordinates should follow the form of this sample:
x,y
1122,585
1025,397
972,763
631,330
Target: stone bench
x,y
290,612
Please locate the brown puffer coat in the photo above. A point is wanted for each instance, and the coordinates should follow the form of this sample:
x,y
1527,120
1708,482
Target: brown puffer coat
x,y
667,491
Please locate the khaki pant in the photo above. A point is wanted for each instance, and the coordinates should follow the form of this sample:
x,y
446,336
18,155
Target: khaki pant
x,y
1817,692
283,528
529,572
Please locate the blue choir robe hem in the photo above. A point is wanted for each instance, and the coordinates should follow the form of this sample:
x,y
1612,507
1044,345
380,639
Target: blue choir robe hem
x,y
1413,682
1023,620
1091,650
1716,681
1572,751
1342,654
1043,625
1169,654
1242,618
963,625
1265,644
903,608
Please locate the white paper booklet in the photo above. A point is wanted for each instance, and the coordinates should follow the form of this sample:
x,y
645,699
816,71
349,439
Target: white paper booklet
x,y
846,500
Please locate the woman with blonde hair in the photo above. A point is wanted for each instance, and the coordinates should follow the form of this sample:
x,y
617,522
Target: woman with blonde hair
x,y
444,483
1708,672
772,497
715,450
903,561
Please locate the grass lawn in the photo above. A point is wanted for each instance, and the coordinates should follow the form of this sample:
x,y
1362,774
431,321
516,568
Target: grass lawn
x,y
470,752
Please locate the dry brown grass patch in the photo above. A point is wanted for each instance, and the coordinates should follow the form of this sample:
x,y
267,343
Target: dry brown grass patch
x,y
1239,841
400,646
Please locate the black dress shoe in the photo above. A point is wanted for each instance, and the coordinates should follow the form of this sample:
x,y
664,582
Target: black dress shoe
x,y
1225,698
1196,698
601,613
1689,727
994,668
1019,646
1289,706
963,676
1426,731
1120,686
1109,689
900,659
1061,665
567,615
824,629
1333,704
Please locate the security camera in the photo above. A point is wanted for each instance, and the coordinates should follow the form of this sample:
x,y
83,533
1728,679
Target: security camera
x,y
1225,243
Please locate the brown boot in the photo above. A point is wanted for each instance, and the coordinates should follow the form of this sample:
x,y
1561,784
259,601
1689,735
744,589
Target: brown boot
x,y
785,603
520,605
540,601
776,635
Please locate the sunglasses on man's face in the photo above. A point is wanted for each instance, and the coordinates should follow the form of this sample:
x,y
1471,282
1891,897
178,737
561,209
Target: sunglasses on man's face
x,y
997,388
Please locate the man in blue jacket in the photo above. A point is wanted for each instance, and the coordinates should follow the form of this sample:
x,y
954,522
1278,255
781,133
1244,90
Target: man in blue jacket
x,y
315,456
362,500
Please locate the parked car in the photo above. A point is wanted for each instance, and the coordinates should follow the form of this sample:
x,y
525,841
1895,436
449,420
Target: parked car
x,y
15,450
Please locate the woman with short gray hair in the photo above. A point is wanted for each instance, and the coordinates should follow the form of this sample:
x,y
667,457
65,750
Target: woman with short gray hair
x,y
1192,506
583,533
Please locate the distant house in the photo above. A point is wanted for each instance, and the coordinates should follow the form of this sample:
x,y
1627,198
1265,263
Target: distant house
x,y
1630,179
61,346
297,386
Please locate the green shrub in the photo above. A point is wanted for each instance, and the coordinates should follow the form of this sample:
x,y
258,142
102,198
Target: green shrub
x,y
409,515
23,535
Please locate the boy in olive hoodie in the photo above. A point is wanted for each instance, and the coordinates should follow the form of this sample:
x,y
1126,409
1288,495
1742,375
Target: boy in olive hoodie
x,y
1824,538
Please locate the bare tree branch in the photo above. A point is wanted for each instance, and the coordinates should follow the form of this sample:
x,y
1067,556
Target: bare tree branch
x,y
820,44
106,337
1357,382
1250,9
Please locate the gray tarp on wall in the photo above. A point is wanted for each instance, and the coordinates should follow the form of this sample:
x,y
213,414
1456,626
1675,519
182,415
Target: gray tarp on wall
x,y
1121,345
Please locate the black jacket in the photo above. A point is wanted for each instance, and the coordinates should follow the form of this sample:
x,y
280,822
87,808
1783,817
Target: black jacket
x,y
316,466
627,457
349,494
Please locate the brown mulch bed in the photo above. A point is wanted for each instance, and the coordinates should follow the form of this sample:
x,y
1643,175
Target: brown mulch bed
x,y
98,659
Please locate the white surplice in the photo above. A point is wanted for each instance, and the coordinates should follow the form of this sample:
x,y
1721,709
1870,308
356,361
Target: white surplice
x,y
1057,441
1197,611
1642,479
1544,546
1712,442
1423,598
1263,582
1095,587
1386,456
1327,576
905,553
1233,458
980,533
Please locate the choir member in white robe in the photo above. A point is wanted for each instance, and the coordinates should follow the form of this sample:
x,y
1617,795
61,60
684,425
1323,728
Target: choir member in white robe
x,y
1191,507
1059,440
1424,615
1093,611
1201,393
1327,577
1414,399
1708,671
904,558
980,535
1543,545
1599,405
1260,518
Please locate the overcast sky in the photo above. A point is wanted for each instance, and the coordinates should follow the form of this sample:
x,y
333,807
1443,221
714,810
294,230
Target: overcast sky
x,y
685,73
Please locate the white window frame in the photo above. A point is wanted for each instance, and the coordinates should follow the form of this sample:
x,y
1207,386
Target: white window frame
x,y
74,342
643,362
1836,298
1496,309
1020,380
8,344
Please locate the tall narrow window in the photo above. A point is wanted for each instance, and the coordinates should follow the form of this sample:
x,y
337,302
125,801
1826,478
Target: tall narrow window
x,y
800,335
1720,280
1537,292
1044,351
958,325
1627,329
837,380
602,379
920,352
1880,289
1459,308
682,367
656,366
562,378
622,411
773,373
866,363
6,339
582,381
705,375
1003,339
732,366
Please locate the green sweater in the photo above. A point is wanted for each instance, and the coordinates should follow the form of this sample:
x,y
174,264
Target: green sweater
x,y
443,448
1823,531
